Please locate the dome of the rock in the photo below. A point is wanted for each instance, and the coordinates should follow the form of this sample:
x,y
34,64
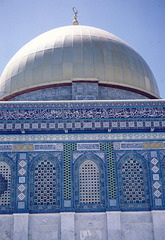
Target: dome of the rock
x,y
76,54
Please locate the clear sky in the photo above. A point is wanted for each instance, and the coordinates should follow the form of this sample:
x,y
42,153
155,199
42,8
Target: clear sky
x,y
140,23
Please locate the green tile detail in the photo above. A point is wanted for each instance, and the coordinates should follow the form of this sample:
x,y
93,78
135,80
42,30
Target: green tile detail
x,y
68,148
108,147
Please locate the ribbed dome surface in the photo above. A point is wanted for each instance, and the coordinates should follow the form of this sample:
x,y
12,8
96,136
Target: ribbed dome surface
x,y
76,53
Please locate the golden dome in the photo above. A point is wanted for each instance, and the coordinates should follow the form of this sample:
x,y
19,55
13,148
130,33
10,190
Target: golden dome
x,y
70,53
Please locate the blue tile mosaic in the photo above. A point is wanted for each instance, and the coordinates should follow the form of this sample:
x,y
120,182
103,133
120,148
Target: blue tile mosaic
x,y
82,156
46,190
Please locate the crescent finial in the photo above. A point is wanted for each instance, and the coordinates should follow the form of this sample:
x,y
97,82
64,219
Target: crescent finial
x,y
75,22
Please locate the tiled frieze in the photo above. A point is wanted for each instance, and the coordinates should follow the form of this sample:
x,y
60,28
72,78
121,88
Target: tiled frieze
x,y
88,91
84,91
152,107
153,145
48,147
76,116
47,94
81,137
6,147
31,147
76,125
138,145
23,147
88,146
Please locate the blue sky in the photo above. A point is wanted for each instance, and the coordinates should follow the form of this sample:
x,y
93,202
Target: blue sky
x,y
140,23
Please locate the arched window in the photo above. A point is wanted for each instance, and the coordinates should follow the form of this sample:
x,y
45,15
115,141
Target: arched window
x,y
89,183
45,183
5,184
7,188
133,183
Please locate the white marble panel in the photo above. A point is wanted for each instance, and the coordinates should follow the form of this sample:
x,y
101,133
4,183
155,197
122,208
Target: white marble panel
x,y
114,225
159,224
44,226
67,226
136,226
20,226
90,226
6,227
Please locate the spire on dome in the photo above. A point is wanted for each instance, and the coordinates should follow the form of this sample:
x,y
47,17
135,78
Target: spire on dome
x,y
75,22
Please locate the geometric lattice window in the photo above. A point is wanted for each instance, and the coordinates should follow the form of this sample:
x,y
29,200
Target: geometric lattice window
x,y
45,183
89,183
5,183
133,182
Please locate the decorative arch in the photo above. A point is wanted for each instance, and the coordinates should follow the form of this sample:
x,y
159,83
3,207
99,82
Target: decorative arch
x,y
133,183
89,183
45,180
7,176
